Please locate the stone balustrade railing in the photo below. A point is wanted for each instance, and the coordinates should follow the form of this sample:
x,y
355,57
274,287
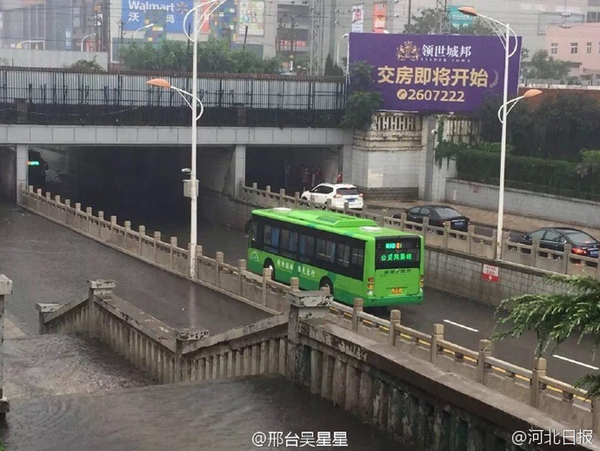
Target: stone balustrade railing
x,y
411,400
214,273
469,243
268,295
533,387
169,355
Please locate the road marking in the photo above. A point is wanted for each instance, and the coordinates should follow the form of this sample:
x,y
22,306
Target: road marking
x,y
461,326
575,362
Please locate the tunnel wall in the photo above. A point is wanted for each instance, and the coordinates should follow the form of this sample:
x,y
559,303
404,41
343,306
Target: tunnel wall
x,y
8,184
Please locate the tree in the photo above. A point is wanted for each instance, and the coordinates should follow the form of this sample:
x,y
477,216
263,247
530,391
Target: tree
x,y
556,317
213,56
427,23
87,66
332,68
543,66
363,101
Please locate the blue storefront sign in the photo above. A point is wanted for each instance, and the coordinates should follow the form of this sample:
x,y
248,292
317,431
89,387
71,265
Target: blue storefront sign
x,y
136,12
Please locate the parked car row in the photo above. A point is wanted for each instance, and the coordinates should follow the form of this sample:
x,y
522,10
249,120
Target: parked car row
x,y
552,238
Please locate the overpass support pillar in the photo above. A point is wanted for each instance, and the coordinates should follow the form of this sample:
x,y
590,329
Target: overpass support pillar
x,y
238,168
5,289
347,152
22,157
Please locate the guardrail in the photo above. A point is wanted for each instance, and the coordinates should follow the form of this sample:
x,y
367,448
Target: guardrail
x,y
235,281
532,387
470,243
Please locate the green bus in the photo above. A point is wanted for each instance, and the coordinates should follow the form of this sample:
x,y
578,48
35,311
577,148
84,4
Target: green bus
x,y
353,257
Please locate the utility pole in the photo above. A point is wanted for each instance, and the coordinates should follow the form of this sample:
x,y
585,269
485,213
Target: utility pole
x,y
443,22
293,42
316,36
409,11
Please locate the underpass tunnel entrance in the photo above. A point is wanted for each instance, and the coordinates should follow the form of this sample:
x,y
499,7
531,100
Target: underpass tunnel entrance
x,y
8,175
292,168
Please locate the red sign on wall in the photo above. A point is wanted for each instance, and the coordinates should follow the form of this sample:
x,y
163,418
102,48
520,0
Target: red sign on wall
x,y
490,273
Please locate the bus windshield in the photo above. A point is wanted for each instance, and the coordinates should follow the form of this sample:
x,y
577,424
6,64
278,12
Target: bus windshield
x,y
397,252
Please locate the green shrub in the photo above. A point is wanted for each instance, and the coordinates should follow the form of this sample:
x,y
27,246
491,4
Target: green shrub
x,y
557,175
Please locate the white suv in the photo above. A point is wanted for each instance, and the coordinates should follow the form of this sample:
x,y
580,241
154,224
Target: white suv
x,y
338,193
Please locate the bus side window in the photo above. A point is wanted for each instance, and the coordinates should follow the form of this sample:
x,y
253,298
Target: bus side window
x,y
326,250
254,232
357,256
271,239
343,255
267,235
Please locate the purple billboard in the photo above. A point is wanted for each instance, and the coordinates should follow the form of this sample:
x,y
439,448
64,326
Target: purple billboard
x,y
435,73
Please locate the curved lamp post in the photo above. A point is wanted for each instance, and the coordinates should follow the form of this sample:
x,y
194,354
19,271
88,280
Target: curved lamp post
x,y
337,55
504,32
85,37
208,7
140,29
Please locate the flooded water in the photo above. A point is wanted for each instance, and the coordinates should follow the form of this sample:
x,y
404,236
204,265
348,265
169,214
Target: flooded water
x,y
211,416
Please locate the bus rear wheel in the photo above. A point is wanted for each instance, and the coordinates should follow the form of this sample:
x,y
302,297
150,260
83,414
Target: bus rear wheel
x,y
327,283
269,264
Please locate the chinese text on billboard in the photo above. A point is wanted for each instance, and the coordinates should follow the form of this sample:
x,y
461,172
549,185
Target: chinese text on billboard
x,y
435,73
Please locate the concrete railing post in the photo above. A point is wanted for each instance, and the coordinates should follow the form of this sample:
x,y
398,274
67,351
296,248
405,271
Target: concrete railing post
x,y
265,279
470,233
425,227
446,234
311,203
241,272
183,336
538,373
282,197
328,204
142,233
295,284
436,336
567,258
485,350
596,414
394,325
296,198
172,247
303,305
346,206
357,309
157,240
219,258
97,289
5,290
43,310
403,219
88,218
127,233
534,252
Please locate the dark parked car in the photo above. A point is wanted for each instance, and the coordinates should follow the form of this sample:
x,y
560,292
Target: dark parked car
x,y
438,216
555,238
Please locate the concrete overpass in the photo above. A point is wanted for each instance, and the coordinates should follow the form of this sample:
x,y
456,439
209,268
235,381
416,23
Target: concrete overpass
x,y
232,142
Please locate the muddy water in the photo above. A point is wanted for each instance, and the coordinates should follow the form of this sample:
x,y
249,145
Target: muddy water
x,y
211,416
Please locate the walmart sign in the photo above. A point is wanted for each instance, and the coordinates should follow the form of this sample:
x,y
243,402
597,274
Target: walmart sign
x,y
138,13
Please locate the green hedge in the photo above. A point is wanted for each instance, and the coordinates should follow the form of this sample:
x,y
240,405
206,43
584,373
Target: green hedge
x,y
556,175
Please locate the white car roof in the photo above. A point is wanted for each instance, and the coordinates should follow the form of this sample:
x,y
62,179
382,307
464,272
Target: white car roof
x,y
337,185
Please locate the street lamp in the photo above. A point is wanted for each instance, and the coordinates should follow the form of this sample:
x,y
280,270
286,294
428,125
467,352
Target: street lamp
x,y
208,8
140,29
85,37
503,31
337,55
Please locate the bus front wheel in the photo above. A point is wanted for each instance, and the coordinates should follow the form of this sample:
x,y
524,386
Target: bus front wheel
x,y
269,264
327,283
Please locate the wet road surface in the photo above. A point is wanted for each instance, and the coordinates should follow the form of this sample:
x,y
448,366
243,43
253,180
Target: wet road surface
x,y
49,263
465,322
209,415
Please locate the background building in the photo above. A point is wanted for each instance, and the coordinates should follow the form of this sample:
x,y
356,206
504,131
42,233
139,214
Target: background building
x,y
578,43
